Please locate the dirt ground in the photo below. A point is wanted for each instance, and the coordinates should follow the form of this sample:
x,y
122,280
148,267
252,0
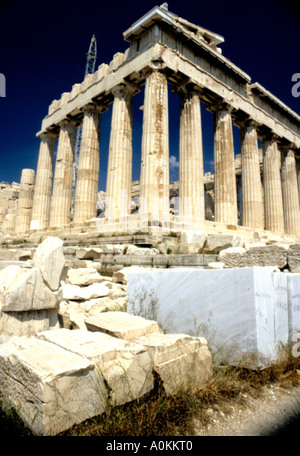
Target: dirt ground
x,y
275,412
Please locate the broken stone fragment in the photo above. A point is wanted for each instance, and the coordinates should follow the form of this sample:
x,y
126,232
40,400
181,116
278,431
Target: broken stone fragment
x,y
88,253
183,363
49,258
51,388
83,276
24,290
77,293
121,275
122,325
28,323
125,366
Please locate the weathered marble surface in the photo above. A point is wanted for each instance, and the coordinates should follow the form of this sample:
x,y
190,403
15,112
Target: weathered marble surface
x,y
243,313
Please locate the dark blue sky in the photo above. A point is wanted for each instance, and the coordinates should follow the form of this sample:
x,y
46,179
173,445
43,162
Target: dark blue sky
x,y
43,48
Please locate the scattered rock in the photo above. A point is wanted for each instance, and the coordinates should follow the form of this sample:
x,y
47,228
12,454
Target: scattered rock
x,y
268,255
216,265
83,276
88,253
126,366
121,275
184,363
122,325
134,250
217,242
293,257
233,257
49,258
25,290
255,255
51,388
77,293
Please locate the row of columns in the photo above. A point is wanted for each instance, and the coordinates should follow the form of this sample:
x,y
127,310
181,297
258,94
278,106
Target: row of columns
x,y
274,207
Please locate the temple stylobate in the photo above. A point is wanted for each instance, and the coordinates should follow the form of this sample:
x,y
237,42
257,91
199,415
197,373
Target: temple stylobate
x,y
166,50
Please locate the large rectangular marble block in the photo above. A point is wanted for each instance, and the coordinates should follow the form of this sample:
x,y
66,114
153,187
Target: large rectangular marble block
x,y
121,324
241,312
183,363
50,388
293,291
125,366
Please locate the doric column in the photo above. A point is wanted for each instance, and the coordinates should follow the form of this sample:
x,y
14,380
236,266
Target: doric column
x,y
43,183
119,169
290,193
25,202
154,181
88,166
274,220
224,170
252,198
60,212
191,177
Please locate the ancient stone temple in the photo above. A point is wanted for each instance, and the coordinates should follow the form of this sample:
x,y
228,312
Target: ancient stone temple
x,y
165,49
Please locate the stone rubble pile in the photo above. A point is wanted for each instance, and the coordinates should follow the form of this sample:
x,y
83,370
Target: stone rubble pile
x,y
55,377
29,296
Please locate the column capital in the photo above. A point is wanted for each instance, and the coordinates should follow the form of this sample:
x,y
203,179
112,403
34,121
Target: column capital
x,y
187,87
220,105
156,65
125,86
94,107
267,134
46,135
67,123
247,122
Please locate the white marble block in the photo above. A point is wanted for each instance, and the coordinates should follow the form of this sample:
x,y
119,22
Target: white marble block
x,y
293,291
50,388
242,312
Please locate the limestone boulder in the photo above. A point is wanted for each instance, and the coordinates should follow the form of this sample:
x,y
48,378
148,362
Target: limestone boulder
x,y
134,250
74,313
183,363
216,265
50,387
25,290
293,258
217,242
122,325
254,255
191,242
71,292
83,276
49,258
125,366
28,323
88,253
233,257
115,249
269,255
121,275
117,291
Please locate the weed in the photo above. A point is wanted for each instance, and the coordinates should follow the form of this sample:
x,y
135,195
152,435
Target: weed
x,y
158,414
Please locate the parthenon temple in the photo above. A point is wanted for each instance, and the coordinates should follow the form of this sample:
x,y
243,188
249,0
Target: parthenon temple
x,y
167,50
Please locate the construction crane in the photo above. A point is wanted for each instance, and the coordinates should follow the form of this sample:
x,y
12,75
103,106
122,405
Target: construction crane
x,y
89,69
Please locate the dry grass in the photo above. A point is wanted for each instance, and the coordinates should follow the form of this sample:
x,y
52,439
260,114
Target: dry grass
x,y
157,414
